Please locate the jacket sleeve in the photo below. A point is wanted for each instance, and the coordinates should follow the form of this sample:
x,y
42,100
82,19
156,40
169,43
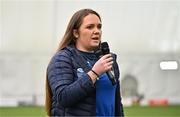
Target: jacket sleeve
x,y
66,89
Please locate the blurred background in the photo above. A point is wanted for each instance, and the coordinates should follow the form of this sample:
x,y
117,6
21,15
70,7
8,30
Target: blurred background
x,y
145,34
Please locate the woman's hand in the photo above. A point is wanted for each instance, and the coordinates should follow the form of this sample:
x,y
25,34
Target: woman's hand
x,y
103,64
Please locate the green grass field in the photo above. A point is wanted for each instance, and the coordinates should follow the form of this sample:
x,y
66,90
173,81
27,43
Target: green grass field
x,y
156,111
134,111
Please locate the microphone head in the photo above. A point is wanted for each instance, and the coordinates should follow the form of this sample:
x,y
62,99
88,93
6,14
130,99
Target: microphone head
x,y
105,48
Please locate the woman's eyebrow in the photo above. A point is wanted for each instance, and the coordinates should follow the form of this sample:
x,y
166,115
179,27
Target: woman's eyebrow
x,y
93,24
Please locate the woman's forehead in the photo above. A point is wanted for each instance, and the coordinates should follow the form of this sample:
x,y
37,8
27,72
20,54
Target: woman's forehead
x,y
91,19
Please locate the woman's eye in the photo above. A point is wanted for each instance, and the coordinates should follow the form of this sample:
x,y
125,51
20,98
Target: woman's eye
x,y
99,26
94,26
90,26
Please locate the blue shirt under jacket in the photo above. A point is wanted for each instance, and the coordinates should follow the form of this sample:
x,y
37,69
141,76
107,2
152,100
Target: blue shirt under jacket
x,y
105,97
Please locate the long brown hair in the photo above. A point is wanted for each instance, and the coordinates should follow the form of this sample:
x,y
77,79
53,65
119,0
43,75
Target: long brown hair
x,y
68,38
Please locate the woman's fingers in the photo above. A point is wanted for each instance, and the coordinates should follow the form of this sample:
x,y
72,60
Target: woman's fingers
x,y
109,65
107,61
106,56
103,64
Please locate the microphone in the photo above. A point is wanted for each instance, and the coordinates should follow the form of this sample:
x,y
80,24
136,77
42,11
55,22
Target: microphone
x,y
104,49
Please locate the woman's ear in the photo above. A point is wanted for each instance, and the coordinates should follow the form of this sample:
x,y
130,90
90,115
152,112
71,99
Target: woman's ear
x,y
75,33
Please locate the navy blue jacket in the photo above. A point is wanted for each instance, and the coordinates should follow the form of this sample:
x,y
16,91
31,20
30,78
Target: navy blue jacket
x,y
75,95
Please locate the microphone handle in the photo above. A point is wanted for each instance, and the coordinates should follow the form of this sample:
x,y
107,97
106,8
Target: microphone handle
x,y
111,77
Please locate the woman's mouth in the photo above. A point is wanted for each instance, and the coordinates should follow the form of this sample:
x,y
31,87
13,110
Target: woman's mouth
x,y
95,38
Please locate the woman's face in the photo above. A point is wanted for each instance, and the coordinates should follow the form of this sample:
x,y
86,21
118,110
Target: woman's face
x,y
89,34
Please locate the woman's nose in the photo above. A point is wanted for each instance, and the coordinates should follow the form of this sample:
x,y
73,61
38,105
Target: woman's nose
x,y
97,30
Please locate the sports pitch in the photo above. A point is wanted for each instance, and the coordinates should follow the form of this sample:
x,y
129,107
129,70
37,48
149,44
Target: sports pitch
x,y
133,111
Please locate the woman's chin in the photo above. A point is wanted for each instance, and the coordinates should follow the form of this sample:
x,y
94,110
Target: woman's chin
x,y
95,45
